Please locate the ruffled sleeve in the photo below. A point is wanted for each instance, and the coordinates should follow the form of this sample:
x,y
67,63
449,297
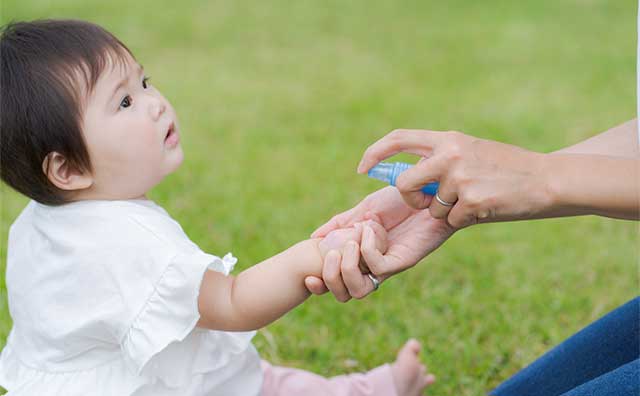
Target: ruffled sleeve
x,y
120,318
169,315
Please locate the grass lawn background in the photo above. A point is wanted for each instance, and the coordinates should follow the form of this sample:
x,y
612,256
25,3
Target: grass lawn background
x,y
277,101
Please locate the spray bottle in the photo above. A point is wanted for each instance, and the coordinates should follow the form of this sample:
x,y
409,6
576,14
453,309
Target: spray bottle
x,y
388,172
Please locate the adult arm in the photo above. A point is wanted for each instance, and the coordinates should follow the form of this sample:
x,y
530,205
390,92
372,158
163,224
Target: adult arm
x,y
583,184
491,181
620,142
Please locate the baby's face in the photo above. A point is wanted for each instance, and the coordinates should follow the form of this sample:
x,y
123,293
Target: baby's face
x,y
131,132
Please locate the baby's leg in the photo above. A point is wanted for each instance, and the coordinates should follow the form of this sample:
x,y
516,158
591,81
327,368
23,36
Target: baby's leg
x,y
285,381
406,377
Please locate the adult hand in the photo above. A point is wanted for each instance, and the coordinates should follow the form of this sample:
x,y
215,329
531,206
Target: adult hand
x,y
480,180
411,235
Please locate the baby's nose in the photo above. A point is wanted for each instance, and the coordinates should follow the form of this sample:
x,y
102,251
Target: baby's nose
x,y
156,108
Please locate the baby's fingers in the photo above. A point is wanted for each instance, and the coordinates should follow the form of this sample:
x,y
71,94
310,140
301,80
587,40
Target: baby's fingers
x,y
327,227
342,220
375,260
380,234
369,215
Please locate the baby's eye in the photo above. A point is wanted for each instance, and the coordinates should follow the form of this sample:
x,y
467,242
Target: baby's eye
x,y
126,102
144,82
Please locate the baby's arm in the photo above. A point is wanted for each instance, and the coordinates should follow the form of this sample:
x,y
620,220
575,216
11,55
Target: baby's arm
x,y
266,291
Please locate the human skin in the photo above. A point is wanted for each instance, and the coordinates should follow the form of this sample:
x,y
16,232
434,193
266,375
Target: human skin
x,y
411,235
489,182
125,124
264,292
132,136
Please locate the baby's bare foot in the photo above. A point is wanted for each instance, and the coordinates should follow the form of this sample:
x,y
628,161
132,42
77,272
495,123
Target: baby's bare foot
x,y
409,374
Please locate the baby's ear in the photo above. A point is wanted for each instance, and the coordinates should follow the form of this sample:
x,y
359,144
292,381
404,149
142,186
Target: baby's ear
x,y
64,175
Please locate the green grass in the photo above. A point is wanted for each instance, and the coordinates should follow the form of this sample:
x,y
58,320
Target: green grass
x,y
278,100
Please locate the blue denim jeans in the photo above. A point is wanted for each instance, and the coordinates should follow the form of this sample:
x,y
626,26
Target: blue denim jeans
x,y
603,359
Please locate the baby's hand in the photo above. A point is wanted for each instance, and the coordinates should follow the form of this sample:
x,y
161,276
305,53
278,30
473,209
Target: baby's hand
x,y
337,239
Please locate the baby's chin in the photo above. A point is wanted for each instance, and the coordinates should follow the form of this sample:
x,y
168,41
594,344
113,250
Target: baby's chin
x,y
173,161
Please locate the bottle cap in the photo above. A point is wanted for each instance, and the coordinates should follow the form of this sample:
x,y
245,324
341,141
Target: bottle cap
x,y
383,172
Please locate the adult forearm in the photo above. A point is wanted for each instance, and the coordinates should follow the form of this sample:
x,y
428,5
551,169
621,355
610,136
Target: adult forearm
x,y
598,175
619,141
581,184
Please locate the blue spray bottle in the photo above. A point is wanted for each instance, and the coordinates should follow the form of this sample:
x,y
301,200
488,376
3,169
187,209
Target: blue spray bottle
x,y
388,172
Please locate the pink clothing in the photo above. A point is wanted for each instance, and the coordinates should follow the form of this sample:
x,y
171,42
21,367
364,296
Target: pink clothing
x,y
285,381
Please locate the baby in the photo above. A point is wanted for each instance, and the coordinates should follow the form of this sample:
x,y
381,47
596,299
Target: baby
x,y
107,293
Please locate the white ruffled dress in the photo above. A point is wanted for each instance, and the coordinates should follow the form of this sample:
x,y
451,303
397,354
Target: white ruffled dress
x,y
103,297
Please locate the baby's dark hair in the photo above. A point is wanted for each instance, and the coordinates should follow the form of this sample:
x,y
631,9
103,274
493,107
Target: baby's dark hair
x,y
47,69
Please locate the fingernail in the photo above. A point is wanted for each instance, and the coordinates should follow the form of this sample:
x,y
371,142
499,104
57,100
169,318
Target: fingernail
x,y
360,165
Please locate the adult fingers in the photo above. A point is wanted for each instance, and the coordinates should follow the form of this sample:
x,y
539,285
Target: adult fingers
x,y
315,285
355,280
411,181
443,201
332,276
427,170
412,141
462,215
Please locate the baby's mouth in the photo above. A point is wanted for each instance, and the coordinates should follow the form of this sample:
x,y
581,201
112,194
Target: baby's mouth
x,y
171,131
